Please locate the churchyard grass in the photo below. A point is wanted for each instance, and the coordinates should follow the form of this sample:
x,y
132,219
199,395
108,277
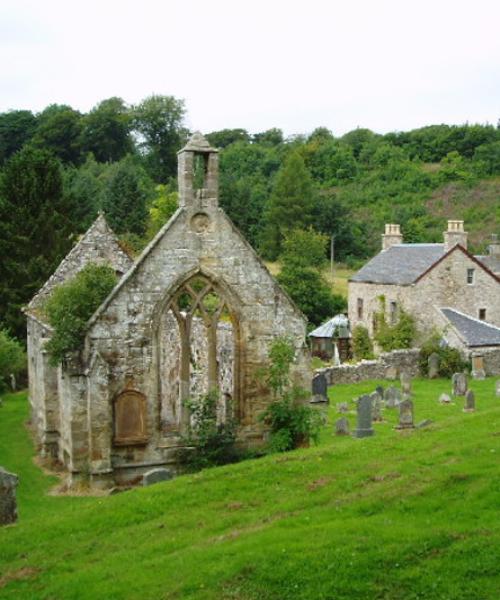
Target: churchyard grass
x,y
399,516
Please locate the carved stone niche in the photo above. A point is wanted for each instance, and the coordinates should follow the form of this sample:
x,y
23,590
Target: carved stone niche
x,y
130,419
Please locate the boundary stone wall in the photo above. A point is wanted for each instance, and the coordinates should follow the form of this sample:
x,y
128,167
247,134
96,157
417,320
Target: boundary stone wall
x,y
491,360
388,365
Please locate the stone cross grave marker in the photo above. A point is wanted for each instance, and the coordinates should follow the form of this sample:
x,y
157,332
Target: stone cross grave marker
x,y
433,365
392,397
405,380
8,504
342,426
319,388
470,401
478,368
376,407
459,384
156,475
405,415
364,422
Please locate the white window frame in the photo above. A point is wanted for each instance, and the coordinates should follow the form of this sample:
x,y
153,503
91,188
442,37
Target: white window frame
x,y
471,274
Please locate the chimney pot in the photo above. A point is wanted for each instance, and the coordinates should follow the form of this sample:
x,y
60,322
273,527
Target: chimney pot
x,y
392,235
455,235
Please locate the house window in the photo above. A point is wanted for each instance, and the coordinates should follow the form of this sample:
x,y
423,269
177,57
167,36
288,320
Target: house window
x,y
482,314
360,308
393,312
470,276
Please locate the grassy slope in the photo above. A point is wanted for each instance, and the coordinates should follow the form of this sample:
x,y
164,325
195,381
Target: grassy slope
x,y
396,516
338,283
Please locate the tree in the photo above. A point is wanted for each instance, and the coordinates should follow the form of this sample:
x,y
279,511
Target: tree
x,y
291,204
106,131
158,120
16,129
362,346
35,230
304,248
226,137
162,208
12,359
124,199
270,137
59,129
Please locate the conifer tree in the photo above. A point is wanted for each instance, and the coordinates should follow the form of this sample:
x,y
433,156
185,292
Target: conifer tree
x,y
35,230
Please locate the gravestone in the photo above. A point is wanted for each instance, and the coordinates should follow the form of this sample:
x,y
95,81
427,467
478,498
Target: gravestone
x,y
478,368
391,373
424,423
470,401
364,422
459,384
319,388
156,475
444,399
8,504
433,365
405,415
342,426
497,388
392,397
376,407
13,383
380,390
405,380
342,407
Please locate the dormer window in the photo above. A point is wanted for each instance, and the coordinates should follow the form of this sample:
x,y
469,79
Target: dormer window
x,y
470,276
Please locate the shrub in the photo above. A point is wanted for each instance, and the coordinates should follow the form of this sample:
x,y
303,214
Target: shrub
x,y
71,305
397,336
362,346
12,359
450,359
291,423
211,443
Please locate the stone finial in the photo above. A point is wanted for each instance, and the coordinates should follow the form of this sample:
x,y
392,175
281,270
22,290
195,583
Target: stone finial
x,y
198,174
454,235
392,236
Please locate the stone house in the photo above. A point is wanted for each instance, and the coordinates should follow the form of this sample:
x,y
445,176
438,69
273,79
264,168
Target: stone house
x,y
428,281
196,311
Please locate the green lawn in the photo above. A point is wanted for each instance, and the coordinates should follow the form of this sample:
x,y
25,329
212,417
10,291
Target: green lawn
x,y
397,516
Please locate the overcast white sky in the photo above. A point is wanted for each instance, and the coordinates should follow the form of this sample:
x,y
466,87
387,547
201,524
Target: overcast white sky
x,y
383,64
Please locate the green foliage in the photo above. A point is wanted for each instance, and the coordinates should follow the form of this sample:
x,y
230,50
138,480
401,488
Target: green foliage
x,y
159,121
395,336
210,442
35,230
124,198
362,346
290,206
71,305
12,359
304,248
226,137
163,206
16,129
291,422
59,129
450,359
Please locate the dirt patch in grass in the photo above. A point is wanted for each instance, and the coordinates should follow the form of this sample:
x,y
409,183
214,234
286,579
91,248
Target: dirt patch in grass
x,y
319,483
18,575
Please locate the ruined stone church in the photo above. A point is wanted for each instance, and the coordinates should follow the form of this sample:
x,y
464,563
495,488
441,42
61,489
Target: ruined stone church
x,y
196,311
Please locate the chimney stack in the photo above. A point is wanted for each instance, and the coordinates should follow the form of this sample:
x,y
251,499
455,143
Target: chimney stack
x,y
455,235
392,236
494,247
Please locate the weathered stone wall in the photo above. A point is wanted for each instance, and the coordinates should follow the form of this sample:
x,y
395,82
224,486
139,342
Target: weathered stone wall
x,y
444,286
491,360
389,364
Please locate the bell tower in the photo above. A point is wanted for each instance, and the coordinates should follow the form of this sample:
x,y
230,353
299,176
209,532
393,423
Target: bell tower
x,y
198,174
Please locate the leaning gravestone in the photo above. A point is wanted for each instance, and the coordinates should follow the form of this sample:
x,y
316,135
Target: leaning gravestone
x,y
444,399
319,388
497,388
376,407
392,397
156,475
459,384
8,505
405,380
364,423
342,426
470,401
433,365
405,415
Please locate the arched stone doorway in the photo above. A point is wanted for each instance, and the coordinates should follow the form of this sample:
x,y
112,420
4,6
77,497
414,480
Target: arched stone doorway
x,y
198,351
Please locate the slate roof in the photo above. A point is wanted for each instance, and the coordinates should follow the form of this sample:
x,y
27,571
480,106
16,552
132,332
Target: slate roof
x,y
473,331
400,264
492,262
